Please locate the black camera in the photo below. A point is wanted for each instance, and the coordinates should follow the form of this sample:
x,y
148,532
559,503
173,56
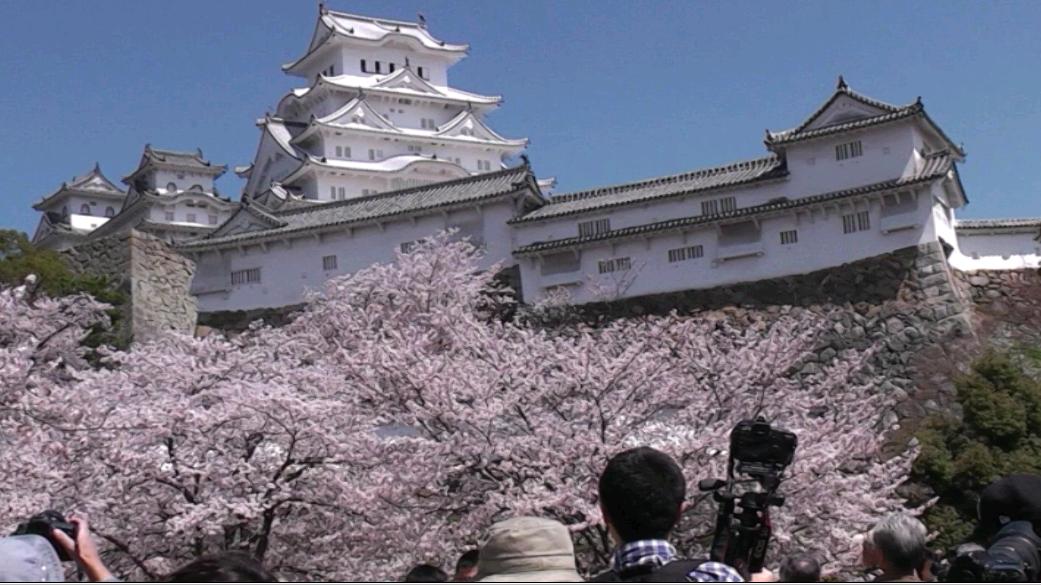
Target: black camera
x,y
743,528
42,524
1014,556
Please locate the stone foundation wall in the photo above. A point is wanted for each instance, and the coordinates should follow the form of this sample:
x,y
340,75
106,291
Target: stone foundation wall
x,y
153,276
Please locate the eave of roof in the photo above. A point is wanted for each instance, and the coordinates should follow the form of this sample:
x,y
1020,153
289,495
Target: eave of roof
x,y
465,97
721,177
326,18
192,161
397,203
1019,224
746,212
398,163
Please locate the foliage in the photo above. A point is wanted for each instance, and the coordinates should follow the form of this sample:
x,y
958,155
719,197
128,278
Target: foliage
x,y
998,434
395,419
19,259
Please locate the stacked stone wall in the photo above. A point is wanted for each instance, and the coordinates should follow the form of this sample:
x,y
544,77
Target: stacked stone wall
x,y
153,276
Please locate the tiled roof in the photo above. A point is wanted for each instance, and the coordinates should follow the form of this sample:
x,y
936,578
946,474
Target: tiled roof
x,y
180,159
989,224
843,89
734,174
928,173
796,134
384,205
93,182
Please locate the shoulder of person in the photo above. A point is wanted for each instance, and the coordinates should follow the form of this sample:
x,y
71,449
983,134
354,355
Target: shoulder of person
x,y
673,572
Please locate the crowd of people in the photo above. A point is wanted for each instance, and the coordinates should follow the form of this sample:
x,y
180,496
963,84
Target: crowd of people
x,y
641,493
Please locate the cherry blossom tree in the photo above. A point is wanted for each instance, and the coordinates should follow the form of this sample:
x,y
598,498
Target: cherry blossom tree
x,y
399,415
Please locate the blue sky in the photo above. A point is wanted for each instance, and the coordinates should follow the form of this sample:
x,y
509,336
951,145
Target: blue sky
x,y
607,91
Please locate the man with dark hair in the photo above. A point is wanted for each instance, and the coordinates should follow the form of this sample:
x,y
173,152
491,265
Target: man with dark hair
x,y
227,567
800,569
425,573
642,492
466,566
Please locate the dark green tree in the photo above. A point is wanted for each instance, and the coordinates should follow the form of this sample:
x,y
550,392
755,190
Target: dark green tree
x,y
999,433
19,258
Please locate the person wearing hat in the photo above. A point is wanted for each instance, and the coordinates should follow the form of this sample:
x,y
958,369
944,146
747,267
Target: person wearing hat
x,y
527,548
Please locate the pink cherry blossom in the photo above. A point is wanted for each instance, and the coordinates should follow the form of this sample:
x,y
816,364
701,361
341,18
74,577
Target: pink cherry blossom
x,y
399,415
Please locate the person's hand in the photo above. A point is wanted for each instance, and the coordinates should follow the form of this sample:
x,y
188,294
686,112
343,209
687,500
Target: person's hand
x,y
83,549
764,576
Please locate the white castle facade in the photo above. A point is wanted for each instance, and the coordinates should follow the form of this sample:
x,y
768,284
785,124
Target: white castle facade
x,y
378,151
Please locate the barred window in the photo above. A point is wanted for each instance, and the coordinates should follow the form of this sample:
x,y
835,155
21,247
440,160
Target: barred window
x,y
246,276
686,253
615,265
849,150
594,227
856,222
213,219
190,218
329,262
714,206
169,215
790,237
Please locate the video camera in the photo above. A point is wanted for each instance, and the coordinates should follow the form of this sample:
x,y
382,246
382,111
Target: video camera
x,y
43,523
1014,556
743,527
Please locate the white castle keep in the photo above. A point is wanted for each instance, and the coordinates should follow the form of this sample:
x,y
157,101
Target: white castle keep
x,y
378,152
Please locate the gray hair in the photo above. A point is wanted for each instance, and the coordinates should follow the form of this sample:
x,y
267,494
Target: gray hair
x,y
901,540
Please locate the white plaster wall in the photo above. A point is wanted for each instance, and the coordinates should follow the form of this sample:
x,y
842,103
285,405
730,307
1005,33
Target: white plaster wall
x,y
183,179
979,250
888,151
287,271
821,244
203,206
74,204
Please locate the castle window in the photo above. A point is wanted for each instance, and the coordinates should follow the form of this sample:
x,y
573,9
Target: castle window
x,y
339,151
332,192
419,70
85,209
594,227
196,187
856,222
171,187
614,265
714,206
64,211
377,66
247,276
110,212
342,192
686,253
407,247
391,67
213,219
190,218
329,262
169,216
427,124
363,69
790,237
849,150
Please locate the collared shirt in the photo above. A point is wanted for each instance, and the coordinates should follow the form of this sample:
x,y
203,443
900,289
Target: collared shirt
x,y
658,553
